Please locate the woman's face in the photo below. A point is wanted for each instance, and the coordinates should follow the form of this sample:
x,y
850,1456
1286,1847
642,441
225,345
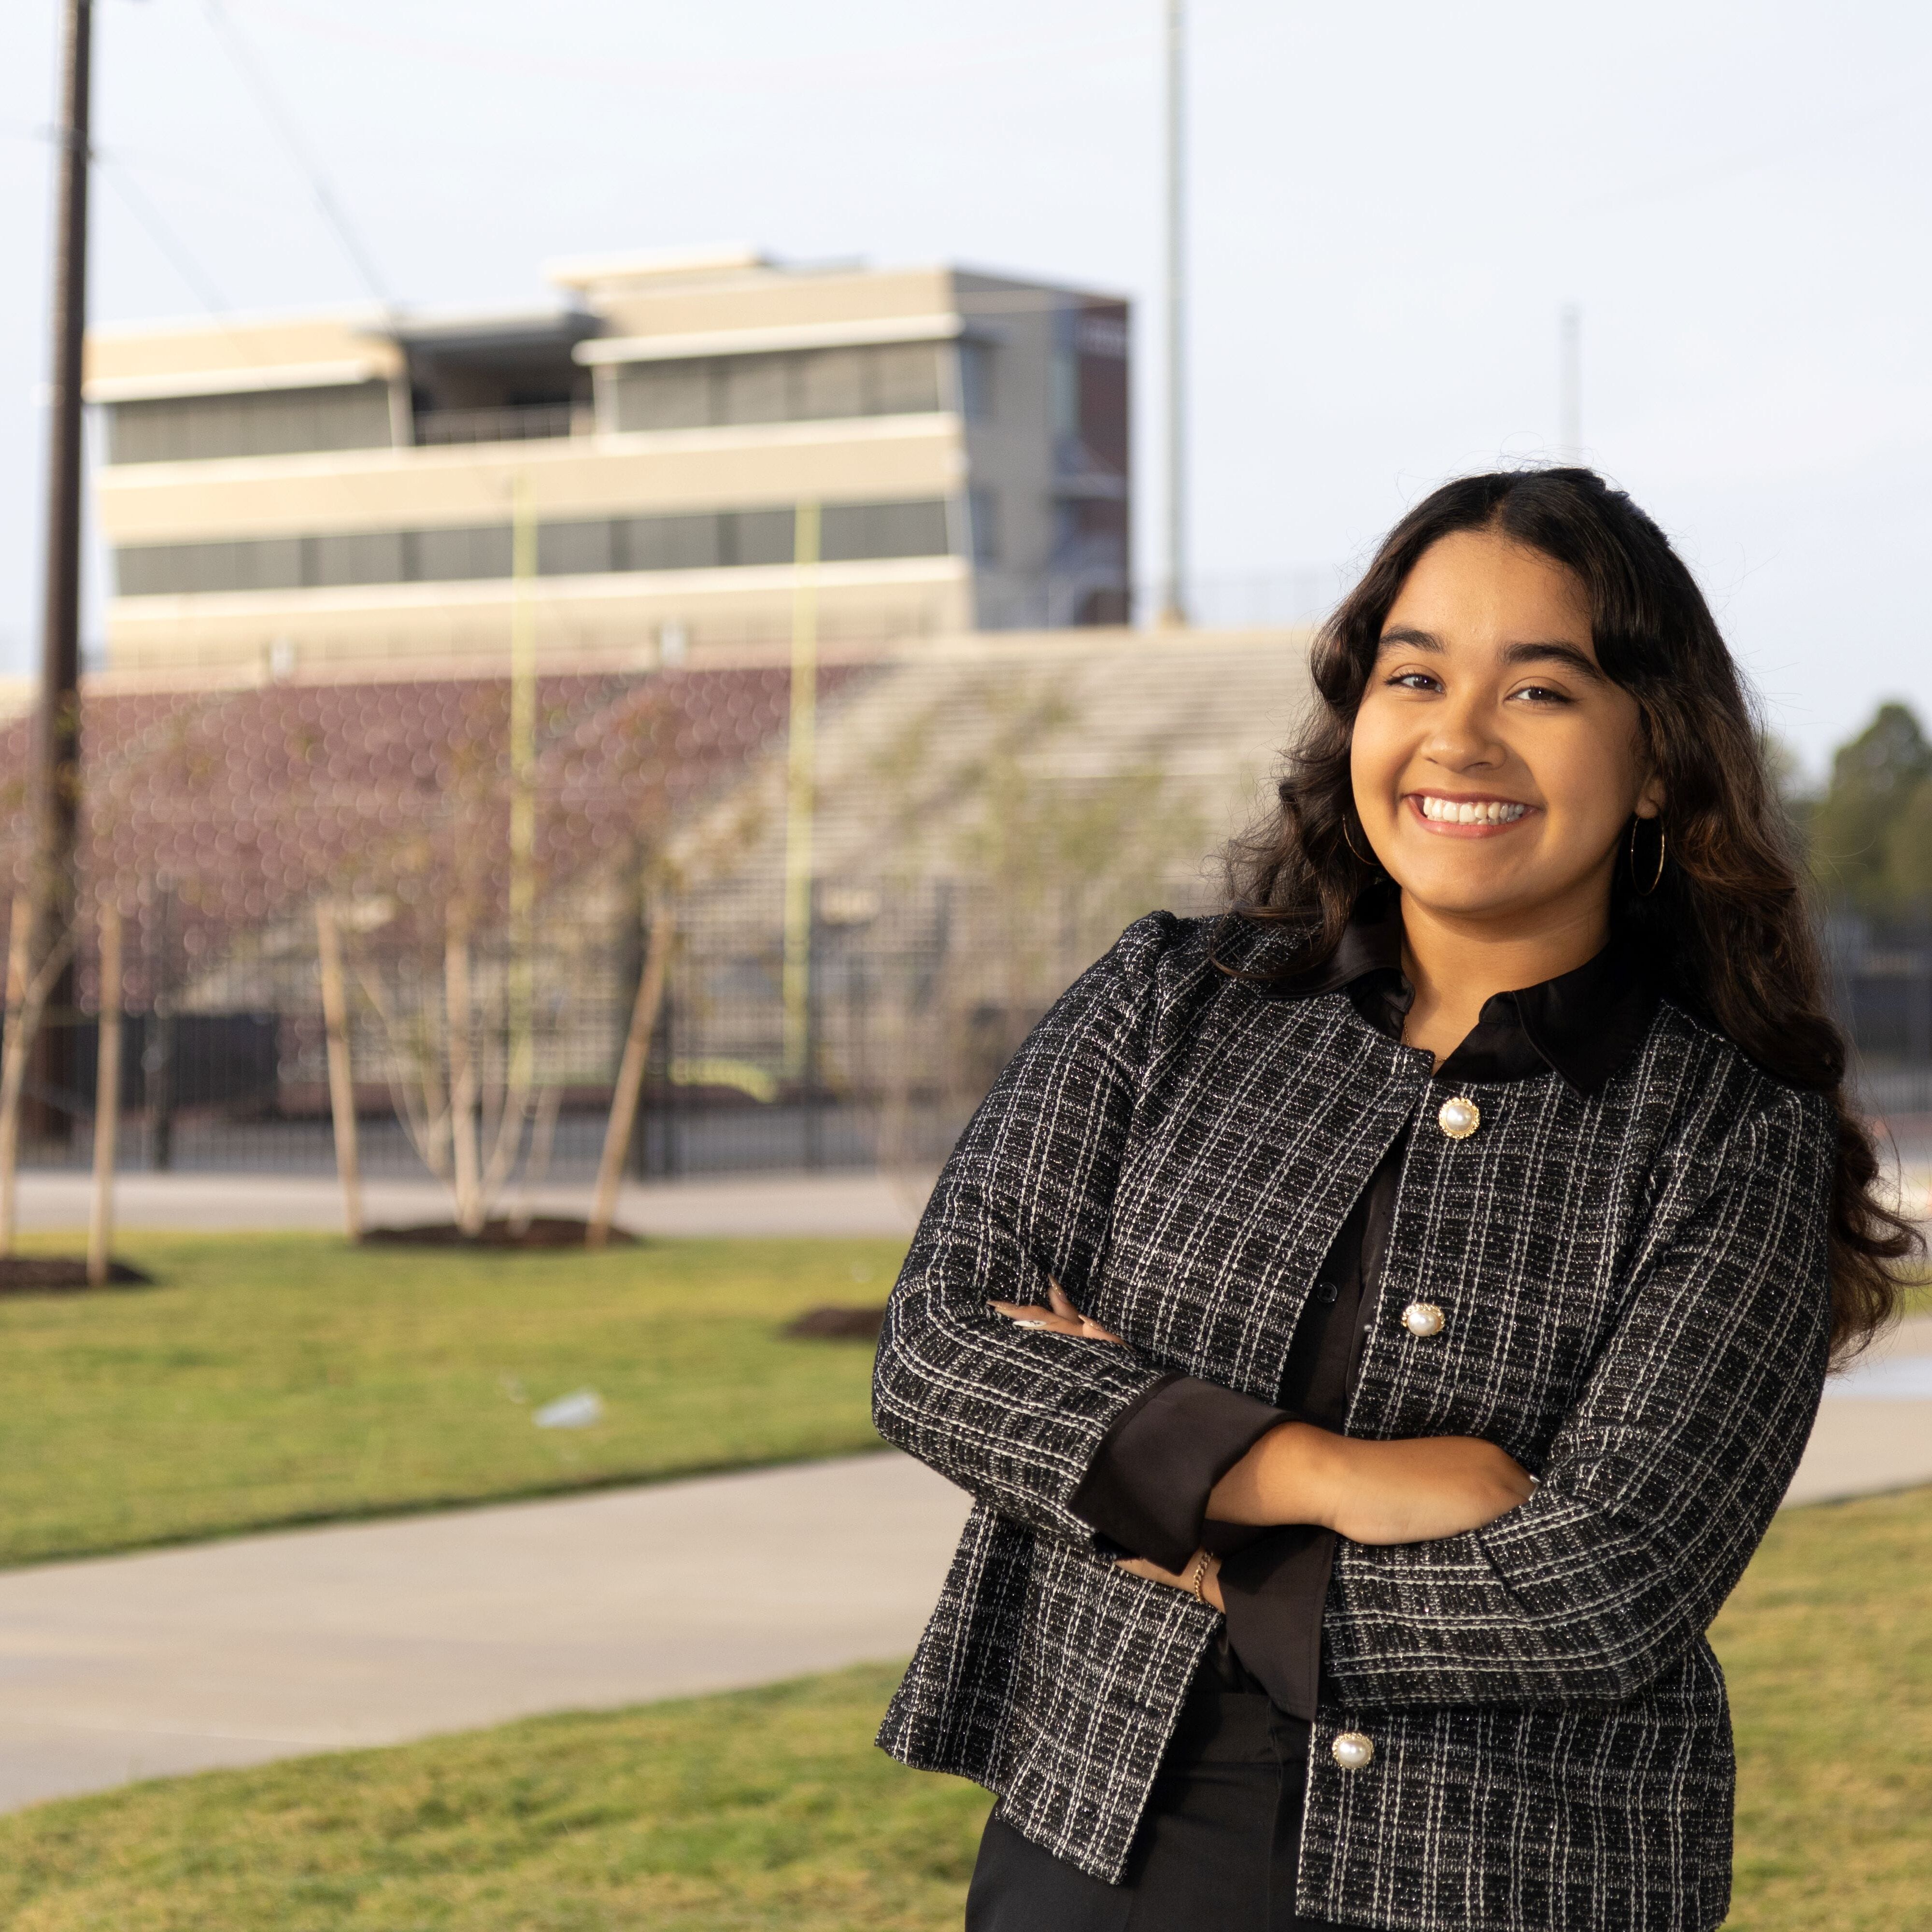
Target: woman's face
x,y
1495,767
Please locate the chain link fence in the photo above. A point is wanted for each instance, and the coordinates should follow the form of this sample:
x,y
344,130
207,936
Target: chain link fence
x,y
917,993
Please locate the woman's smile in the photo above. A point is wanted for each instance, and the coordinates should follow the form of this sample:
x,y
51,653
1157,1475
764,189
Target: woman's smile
x,y
1451,817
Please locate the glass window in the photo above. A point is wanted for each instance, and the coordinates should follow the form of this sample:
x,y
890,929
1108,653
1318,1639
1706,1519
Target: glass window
x,y
160,570
1063,377
984,506
267,422
271,563
830,382
666,543
793,386
704,541
903,378
457,555
754,389
664,395
355,557
852,532
975,379
761,536
575,550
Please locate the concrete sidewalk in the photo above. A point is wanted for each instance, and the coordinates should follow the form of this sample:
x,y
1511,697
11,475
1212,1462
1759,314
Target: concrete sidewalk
x,y
849,1203
368,1633
753,1204
1874,1428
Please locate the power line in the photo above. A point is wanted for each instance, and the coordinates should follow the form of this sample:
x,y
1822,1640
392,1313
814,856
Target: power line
x,y
164,238
278,119
118,171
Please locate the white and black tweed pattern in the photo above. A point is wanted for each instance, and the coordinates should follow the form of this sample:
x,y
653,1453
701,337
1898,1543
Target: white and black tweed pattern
x,y
1635,1288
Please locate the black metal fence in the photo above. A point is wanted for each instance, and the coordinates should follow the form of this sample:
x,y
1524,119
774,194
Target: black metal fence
x,y
916,993
1881,984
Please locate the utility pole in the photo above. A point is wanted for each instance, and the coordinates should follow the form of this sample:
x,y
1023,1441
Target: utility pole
x,y
1174,606
1570,383
58,774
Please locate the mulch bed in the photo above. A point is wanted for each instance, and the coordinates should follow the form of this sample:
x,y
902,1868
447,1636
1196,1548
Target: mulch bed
x,y
541,1231
836,1325
62,1274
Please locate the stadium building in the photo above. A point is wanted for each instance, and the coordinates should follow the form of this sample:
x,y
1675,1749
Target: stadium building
x,y
306,494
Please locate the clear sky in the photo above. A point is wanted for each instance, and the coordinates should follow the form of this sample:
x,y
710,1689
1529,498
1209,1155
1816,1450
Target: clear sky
x,y
1390,206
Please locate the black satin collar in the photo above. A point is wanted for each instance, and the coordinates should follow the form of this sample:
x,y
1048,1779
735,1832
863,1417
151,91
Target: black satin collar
x,y
1583,1024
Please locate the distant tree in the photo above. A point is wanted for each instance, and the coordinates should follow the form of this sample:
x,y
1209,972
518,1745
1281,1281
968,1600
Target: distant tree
x,y
1789,780
1869,847
1908,867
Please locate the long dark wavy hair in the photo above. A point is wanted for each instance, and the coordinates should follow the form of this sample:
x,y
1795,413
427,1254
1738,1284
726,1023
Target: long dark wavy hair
x,y
1727,927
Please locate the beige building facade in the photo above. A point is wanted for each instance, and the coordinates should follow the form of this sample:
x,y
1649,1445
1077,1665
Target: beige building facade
x,y
317,494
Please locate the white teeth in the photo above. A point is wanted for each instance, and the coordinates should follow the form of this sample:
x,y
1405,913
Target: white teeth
x,y
1470,811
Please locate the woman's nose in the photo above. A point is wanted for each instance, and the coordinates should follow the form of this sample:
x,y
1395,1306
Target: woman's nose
x,y
1462,740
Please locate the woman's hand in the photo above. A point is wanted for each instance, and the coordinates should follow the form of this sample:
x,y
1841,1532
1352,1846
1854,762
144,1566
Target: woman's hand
x,y
1061,1318
1210,1577
1410,1491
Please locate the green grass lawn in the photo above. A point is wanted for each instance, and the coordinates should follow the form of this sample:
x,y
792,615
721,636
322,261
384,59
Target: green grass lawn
x,y
278,1379
1827,1644
767,1809
770,1811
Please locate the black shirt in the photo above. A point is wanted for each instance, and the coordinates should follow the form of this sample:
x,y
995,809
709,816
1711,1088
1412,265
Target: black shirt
x,y
1147,1491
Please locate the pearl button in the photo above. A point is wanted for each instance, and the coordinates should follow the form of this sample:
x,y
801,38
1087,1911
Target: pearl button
x,y
1423,1318
1352,1750
1459,1117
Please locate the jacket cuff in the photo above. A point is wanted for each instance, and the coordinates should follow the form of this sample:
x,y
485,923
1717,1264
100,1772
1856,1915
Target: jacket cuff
x,y
1146,1488
1275,1592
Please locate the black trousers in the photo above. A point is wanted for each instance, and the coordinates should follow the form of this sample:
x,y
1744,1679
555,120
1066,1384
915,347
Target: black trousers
x,y
1217,1848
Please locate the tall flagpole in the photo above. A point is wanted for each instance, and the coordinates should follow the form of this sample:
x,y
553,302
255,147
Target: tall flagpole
x,y
1174,607
1570,383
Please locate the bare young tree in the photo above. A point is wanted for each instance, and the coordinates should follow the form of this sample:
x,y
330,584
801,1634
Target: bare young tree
x,y
106,1093
471,988
32,972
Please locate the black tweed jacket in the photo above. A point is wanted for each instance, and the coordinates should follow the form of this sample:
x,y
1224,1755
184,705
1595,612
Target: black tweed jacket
x,y
1635,1288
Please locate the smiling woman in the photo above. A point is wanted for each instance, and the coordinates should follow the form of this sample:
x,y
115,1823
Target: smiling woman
x,y
1662,827
1377,1326
1495,768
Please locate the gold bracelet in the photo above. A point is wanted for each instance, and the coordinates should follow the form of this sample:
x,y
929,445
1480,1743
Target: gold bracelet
x,y
1200,1577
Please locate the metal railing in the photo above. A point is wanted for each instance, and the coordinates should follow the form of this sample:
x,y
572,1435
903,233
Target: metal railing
x,y
528,423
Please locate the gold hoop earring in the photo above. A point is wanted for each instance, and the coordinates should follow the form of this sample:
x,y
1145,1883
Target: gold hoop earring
x,y
1373,865
1662,846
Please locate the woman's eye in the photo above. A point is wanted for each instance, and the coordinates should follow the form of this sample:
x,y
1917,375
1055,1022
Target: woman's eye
x,y
1542,694
1414,680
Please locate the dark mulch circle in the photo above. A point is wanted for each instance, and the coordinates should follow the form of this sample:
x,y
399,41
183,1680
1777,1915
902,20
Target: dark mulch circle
x,y
541,1231
62,1274
836,1325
